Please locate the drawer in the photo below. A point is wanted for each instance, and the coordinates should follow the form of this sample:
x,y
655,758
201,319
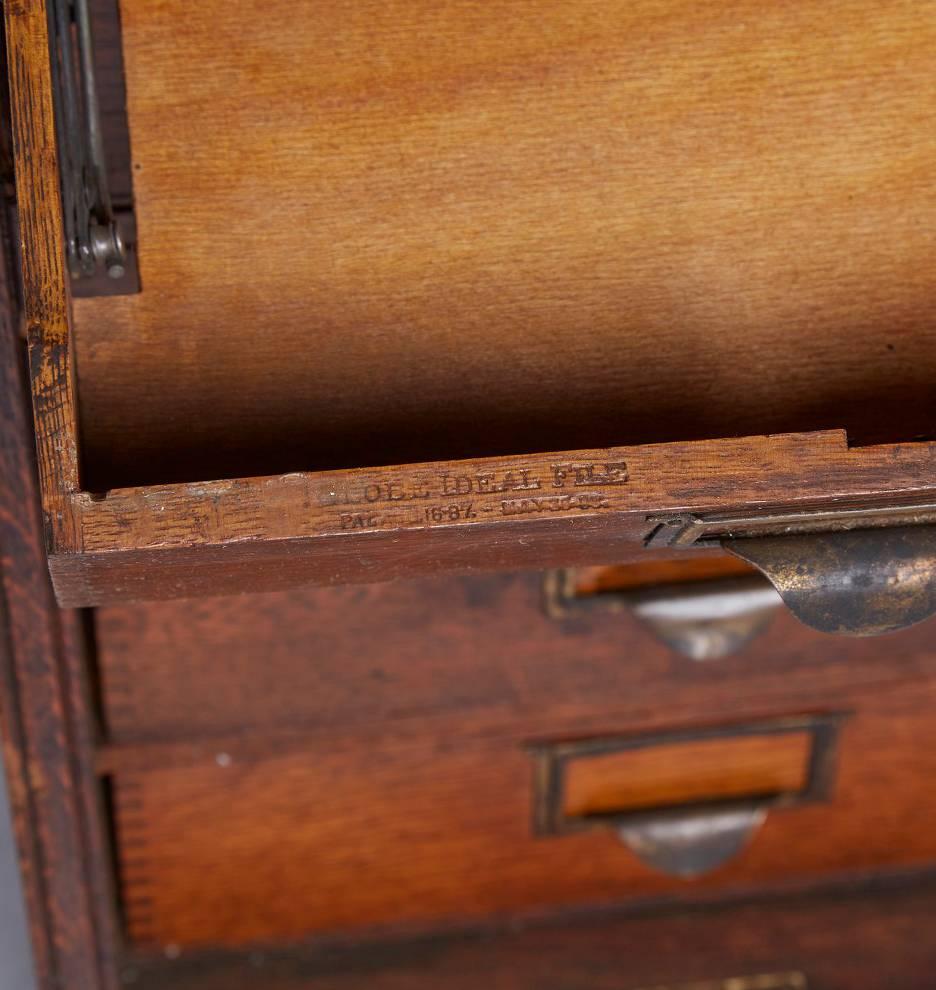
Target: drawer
x,y
364,760
495,286
402,835
460,653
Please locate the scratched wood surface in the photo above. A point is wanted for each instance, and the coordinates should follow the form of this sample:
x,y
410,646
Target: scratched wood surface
x,y
46,721
46,296
407,836
578,507
380,233
851,940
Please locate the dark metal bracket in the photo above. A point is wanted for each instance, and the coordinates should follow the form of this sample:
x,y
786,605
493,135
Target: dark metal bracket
x,y
98,238
859,572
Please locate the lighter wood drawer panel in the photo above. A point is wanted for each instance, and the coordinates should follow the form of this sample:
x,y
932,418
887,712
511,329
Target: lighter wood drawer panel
x,y
438,832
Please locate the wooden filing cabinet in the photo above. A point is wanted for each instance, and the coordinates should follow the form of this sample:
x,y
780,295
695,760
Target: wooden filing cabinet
x,y
435,406
369,758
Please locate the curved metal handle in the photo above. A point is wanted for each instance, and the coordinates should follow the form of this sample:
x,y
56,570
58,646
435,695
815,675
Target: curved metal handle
x,y
860,583
701,619
861,572
689,844
707,620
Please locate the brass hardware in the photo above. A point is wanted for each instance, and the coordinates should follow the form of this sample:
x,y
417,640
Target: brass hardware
x,y
689,844
760,981
861,583
702,620
706,530
838,570
691,839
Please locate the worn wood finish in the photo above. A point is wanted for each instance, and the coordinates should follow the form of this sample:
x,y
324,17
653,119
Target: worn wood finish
x,y
326,735
45,717
47,304
766,282
849,941
332,734
383,233
579,507
456,657
426,834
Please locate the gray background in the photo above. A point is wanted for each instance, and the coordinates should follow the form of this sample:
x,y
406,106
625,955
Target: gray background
x,y
16,972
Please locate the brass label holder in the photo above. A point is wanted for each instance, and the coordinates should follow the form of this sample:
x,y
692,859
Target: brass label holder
x,y
683,840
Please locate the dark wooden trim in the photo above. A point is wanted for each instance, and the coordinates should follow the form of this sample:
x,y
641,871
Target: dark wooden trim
x,y
854,938
47,727
85,725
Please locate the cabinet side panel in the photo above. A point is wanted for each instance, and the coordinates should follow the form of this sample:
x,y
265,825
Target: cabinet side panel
x,y
41,717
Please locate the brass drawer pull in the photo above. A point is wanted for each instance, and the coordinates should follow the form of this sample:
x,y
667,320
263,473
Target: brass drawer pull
x,y
686,802
861,572
690,844
702,620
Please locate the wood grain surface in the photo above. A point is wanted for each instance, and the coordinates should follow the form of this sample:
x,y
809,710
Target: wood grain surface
x,y
47,725
853,940
684,773
354,759
576,507
46,292
589,581
376,233
458,657
480,230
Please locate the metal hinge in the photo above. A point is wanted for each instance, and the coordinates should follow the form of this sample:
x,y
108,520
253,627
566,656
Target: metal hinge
x,y
94,239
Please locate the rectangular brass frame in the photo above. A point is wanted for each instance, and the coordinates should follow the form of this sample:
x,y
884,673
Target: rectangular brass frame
x,y
550,761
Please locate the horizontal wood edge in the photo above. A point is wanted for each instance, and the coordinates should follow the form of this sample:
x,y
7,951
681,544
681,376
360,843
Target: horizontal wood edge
x,y
536,510
387,955
249,744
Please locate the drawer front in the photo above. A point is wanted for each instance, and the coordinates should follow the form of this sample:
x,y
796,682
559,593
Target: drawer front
x,y
440,830
464,654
